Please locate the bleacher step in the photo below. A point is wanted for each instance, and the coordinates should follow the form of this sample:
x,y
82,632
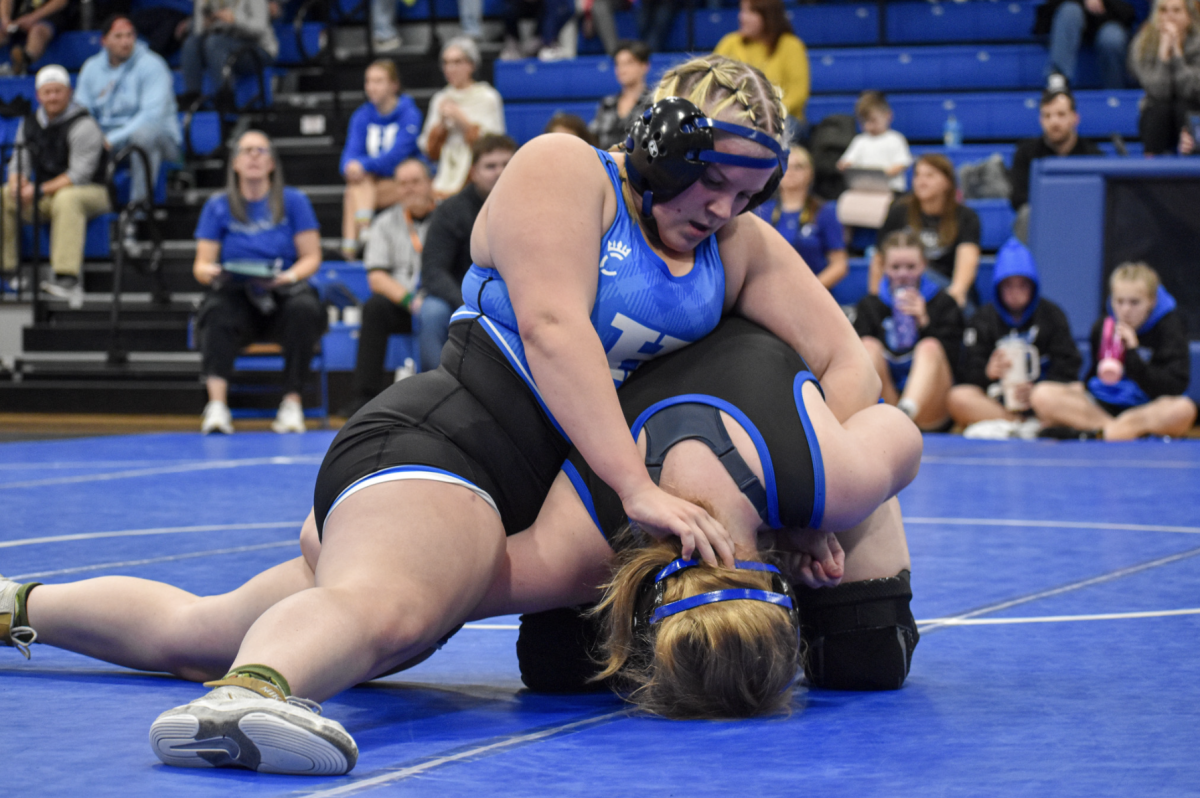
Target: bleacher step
x,y
134,336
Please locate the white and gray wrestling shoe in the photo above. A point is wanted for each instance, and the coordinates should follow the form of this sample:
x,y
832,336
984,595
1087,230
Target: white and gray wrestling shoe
x,y
19,637
251,724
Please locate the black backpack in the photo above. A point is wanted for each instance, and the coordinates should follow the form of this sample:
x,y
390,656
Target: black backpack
x,y
830,138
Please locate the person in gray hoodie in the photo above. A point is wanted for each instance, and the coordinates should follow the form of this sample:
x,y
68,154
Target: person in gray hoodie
x,y
58,160
221,28
130,92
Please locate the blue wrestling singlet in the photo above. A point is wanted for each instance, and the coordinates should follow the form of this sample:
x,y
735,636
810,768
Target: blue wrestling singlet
x,y
641,310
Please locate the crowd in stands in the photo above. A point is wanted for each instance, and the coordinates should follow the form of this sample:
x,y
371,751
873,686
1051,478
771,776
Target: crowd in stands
x,y
415,183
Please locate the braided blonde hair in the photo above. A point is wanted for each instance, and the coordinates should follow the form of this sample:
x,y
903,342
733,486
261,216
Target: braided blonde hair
x,y
715,84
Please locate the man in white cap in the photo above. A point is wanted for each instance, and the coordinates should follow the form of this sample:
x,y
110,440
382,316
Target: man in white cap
x,y
59,154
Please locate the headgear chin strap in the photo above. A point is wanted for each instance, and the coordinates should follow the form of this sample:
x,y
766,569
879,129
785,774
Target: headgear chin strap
x,y
651,610
672,143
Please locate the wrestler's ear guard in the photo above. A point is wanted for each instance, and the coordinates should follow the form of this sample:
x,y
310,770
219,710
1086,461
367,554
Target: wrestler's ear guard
x,y
671,144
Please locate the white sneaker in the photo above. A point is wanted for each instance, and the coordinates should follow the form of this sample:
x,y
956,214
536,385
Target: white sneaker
x,y
554,52
254,727
290,417
19,637
1028,429
72,294
389,45
511,51
993,429
216,419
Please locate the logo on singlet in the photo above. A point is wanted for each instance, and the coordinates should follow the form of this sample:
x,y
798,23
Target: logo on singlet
x,y
615,250
637,343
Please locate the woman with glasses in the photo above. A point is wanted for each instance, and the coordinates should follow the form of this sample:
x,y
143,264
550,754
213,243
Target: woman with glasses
x,y
257,242
458,115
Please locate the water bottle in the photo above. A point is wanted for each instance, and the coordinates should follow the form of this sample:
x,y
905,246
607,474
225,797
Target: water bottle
x,y
952,133
904,328
1111,367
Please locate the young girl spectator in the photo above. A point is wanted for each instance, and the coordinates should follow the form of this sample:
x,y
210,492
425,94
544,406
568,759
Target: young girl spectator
x,y
383,133
912,330
616,112
458,115
948,232
256,222
1165,59
764,39
808,223
1017,310
878,146
1147,399
37,22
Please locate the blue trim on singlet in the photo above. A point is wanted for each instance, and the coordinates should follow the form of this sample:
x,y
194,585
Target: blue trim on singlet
x,y
760,444
585,495
814,447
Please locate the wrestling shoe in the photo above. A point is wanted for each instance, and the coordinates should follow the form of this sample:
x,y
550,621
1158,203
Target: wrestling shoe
x,y
249,723
19,637
290,417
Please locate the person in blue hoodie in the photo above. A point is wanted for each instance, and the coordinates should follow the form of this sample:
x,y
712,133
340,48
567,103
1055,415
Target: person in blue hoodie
x,y
912,330
383,134
1148,399
129,90
1017,311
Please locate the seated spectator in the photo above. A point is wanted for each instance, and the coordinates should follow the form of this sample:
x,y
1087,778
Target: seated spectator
x,y
255,227
878,146
130,92
551,16
912,330
1165,59
447,254
383,132
386,39
58,161
1145,398
28,29
654,21
458,115
948,232
572,125
616,112
807,222
163,24
1017,313
221,29
764,39
1104,24
393,260
1060,136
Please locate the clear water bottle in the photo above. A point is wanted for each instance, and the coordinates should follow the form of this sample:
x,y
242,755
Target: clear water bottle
x,y
952,133
904,328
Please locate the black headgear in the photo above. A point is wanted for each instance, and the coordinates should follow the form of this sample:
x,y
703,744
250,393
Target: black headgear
x,y
671,145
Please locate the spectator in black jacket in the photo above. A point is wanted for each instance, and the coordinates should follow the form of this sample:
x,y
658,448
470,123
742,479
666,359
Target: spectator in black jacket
x,y
912,330
1017,315
1060,136
447,255
1147,399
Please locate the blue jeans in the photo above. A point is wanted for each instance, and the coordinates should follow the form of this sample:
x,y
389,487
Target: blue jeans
x,y
160,146
206,55
654,21
383,20
433,330
1066,36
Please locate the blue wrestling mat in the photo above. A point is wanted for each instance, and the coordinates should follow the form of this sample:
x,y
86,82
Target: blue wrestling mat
x,y
1057,587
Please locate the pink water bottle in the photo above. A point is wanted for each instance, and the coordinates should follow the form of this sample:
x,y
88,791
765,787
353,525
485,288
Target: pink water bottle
x,y
1111,367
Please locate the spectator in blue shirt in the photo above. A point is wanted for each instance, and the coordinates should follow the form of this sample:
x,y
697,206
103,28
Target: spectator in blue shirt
x,y
256,244
130,92
383,133
809,224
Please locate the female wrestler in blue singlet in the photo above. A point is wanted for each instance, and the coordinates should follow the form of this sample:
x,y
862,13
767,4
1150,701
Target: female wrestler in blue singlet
x,y
418,491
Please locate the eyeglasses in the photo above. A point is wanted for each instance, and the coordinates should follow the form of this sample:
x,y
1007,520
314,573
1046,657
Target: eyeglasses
x,y
254,151
449,61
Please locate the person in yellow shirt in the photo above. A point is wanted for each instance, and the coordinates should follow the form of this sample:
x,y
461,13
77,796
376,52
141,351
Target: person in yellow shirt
x,y
764,39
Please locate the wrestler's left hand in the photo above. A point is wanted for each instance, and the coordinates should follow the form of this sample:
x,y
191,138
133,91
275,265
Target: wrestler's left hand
x,y
661,514
812,557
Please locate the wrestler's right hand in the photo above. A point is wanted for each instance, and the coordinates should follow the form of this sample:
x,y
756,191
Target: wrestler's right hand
x,y
660,514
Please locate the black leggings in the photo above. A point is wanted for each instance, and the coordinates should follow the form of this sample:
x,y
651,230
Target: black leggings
x,y
380,318
1160,123
228,320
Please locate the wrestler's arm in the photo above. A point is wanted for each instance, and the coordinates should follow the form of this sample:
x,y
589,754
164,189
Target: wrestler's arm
x,y
769,283
541,229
